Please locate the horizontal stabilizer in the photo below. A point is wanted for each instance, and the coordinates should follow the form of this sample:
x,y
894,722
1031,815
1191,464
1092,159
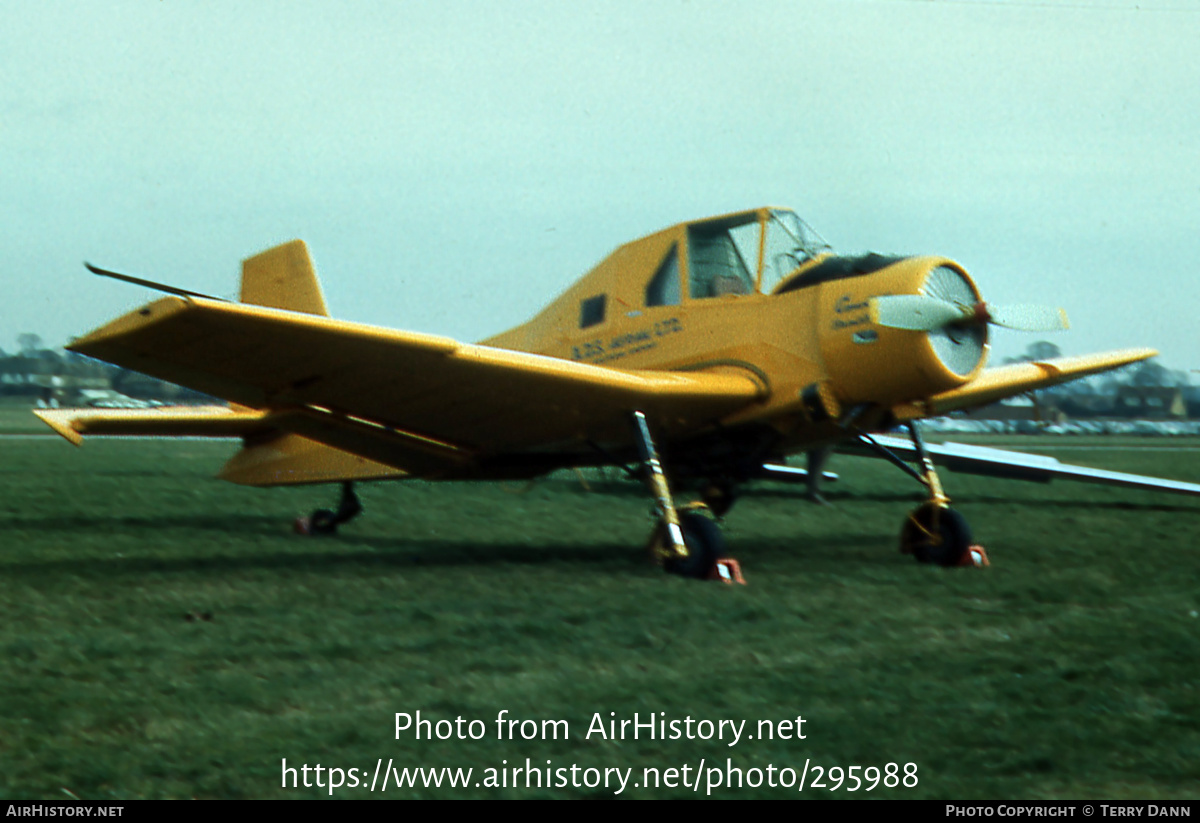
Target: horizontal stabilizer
x,y
967,459
274,457
177,421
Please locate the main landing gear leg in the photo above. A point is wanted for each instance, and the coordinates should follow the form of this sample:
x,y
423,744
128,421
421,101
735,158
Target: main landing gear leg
x,y
325,521
817,458
934,532
687,543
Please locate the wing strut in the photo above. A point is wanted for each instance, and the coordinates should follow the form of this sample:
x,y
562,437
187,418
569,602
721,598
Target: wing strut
x,y
887,454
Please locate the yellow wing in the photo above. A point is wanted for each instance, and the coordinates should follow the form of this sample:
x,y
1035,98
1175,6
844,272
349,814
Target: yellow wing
x,y
420,402
1006,381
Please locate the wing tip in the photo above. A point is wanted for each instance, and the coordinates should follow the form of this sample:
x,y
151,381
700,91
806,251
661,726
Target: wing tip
x,y
1131,356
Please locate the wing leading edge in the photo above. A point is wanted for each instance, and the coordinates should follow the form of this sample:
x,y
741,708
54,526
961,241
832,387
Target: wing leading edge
x,y
1006,381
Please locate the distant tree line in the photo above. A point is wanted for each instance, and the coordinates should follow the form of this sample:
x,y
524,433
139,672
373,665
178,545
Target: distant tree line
x,y
37,371
1115,393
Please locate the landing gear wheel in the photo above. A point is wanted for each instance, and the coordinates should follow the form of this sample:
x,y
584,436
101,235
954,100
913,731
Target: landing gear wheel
x,y
944,543
704,541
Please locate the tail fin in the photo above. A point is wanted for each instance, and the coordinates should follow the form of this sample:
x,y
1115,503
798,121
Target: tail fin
x,y
283,278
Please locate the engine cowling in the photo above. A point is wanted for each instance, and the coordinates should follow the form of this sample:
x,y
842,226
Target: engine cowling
x,y
867,362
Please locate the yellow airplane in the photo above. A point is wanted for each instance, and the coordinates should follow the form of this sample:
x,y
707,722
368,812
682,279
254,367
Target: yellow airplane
x,y
704,353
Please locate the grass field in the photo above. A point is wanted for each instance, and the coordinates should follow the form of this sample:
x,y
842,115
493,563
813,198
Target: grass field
x,y
17,418
1070,668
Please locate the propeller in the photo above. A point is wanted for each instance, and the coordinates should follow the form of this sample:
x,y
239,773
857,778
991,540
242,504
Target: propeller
x,y
1028,317
920,312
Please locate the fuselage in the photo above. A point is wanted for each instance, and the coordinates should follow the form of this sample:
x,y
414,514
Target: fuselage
x,y
709,295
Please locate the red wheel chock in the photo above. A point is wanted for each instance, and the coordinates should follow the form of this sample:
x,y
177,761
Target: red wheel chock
x,y
975,555
727,570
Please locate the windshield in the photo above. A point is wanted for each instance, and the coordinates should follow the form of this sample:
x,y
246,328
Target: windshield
x,y
790,242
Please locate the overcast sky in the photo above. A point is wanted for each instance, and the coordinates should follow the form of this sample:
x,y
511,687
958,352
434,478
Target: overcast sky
x,y
454,166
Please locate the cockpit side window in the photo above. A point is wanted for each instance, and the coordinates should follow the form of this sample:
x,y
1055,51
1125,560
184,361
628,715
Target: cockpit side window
x,y
591,311
715,265
664,288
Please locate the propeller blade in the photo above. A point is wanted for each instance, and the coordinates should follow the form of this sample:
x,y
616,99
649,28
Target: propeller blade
x,y
1028,317
920,312
916,312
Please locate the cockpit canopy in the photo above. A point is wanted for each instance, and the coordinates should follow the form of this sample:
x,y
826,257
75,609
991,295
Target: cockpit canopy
x,y
747,252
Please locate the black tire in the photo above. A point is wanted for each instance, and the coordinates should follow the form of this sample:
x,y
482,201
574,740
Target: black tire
x,y
944,545
705,544
323,521
719,497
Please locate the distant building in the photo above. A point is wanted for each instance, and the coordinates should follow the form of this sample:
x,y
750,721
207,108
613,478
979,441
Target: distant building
x,y
1191,398
1089,405
18,375
1151,402
1020,408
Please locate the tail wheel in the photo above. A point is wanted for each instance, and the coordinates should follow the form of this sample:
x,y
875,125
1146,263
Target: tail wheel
x,y
323,521
704,541
326,521
935,534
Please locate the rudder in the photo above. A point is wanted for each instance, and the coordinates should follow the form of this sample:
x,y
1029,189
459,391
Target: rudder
x,y
283,277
